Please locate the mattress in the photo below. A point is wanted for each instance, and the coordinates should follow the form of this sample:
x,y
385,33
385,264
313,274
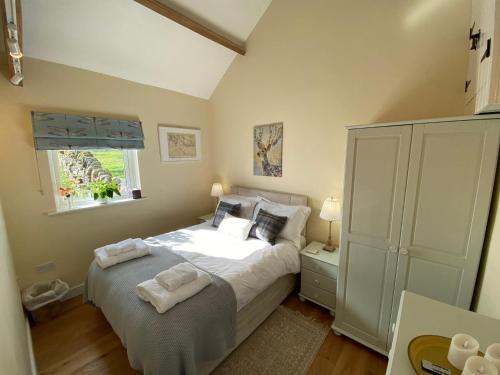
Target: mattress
x,y
249,266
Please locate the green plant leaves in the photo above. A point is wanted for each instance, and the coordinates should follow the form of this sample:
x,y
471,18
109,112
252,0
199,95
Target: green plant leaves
x,y
109,192
104,189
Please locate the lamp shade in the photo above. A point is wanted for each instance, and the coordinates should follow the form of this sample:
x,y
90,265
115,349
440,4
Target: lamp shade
x,y
330,210
217,190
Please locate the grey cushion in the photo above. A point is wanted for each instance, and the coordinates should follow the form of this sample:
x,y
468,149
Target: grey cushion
x,y
247,204
267,226
222,208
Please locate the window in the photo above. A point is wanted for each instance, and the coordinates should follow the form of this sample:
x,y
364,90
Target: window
x,y
85,177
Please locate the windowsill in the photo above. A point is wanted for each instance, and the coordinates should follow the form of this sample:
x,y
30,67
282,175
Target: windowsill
x,y
92,206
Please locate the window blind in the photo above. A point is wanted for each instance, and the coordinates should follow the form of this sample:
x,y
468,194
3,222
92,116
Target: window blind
x,y
58,131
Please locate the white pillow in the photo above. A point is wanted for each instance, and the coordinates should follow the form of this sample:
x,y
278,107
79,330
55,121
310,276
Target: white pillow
x,y
235,226
297,219
247,204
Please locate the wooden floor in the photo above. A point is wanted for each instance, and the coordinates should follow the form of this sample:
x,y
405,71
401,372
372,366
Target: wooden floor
x,y
80,341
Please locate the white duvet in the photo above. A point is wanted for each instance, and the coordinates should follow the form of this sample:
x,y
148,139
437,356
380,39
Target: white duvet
x,y
249,266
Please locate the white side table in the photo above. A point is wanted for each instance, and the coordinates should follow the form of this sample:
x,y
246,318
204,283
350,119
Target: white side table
x,y
319,272
423,316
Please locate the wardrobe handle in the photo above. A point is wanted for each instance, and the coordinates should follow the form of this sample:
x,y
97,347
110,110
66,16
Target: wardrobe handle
x,y
403,251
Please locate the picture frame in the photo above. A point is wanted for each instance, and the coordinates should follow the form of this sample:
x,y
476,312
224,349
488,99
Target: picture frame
x,y
178,144
268,150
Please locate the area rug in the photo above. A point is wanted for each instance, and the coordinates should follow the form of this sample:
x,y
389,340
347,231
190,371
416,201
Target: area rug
x,y
286,343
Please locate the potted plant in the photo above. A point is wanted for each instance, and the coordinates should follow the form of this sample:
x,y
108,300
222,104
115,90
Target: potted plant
x,y
104,189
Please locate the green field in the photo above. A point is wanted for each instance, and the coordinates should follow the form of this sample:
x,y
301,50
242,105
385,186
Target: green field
x,y
112,160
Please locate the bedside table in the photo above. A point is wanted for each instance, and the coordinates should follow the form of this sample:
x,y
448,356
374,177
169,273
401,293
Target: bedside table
x,y
318,281
205,218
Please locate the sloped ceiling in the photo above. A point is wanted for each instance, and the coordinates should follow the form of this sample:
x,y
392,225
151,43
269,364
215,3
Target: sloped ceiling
x,y
122,38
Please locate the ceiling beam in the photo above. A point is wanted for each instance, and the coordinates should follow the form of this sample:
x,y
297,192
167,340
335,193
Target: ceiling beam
x,y
3,14
181,19
19,25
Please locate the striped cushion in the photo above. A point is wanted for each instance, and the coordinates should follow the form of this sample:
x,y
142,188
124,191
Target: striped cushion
x,y
267,226
222,208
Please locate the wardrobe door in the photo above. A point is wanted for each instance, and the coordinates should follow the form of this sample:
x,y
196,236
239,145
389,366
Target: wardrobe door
x,y
375,179
450,180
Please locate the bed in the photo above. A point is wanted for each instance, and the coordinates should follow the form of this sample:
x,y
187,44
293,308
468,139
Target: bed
x,y
260,275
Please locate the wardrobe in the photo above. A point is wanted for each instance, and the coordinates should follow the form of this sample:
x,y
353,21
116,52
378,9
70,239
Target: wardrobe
x,y
415,209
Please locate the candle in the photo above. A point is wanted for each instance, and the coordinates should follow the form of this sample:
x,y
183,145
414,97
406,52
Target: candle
x,y
479,366
462,347
493,355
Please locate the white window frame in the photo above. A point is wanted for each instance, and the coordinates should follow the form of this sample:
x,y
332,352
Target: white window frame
x,y
131,167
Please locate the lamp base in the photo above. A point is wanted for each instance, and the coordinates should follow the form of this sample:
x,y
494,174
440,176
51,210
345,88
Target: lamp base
x,y
329,247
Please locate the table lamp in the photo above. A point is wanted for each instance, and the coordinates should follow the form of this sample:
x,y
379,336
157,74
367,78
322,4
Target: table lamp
x,y
330,212
217,190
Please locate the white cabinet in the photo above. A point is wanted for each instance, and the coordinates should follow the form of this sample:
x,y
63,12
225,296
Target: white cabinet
x,y
416,205
318,279
482,92
374,192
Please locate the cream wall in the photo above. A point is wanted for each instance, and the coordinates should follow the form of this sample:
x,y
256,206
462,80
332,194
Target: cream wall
x,y
177,193
320,65
14,356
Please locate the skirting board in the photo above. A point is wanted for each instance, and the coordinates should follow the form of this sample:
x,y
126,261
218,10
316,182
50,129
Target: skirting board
x,y
74,291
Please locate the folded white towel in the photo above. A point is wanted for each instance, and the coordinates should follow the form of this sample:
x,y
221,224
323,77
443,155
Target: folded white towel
x,y
121,247
163,300
104,260
177,276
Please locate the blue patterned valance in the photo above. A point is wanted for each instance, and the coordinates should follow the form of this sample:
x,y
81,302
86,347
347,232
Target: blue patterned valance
x,y
57,131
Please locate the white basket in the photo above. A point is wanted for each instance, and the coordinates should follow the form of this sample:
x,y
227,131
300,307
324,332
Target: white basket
x,y
43,293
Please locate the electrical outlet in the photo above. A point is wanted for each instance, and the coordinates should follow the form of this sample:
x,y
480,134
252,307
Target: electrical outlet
x,y
45,267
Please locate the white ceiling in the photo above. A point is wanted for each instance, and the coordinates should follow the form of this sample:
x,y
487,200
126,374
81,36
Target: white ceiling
x,y
124,39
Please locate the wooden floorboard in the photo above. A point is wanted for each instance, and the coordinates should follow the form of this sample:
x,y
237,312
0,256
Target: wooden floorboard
x,y
338,355
81,341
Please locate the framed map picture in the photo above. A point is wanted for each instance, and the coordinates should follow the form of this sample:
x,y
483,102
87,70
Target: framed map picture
x,y
179,144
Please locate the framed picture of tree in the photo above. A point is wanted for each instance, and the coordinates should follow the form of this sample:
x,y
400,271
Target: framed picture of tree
x,y
179,144
268,150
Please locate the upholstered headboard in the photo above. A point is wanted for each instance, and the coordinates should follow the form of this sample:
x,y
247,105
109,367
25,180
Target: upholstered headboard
x,y
274,196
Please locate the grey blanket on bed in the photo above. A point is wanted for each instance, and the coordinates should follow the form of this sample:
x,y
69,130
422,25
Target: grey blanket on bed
x,y
202,328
